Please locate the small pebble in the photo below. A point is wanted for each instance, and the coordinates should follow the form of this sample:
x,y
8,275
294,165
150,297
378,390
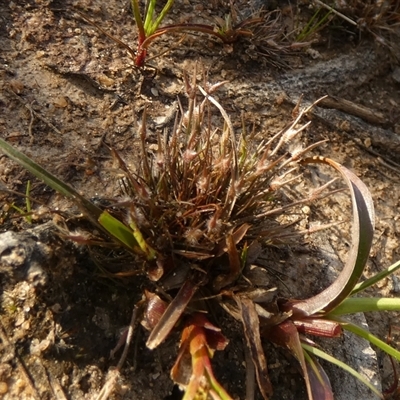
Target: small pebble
x,y
306,210
61,102
3,388
314,54
396,284
367,143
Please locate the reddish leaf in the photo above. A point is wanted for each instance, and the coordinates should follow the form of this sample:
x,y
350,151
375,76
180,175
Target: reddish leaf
x,y
286,335
362,234
320,385
192,369
174,311
154,310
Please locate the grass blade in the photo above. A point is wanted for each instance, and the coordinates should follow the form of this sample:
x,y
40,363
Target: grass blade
x,y
359,304
376,278
325,356
319,381
138,19
369,336
120,231
93,212
160,18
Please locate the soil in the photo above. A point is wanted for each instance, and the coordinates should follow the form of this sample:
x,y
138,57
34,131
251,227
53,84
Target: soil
x,y
66,89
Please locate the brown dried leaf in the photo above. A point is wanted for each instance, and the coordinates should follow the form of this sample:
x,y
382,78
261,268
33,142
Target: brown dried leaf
x,y
251,327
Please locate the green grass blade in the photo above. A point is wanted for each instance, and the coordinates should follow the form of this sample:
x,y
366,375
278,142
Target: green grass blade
x,y
162,15
218,389
28,208
99,217
313,28
368,336
120,231
319,381
92,211
376,278
325,356
359,304
307,29
18,209
130,236
138,19
149,17
150,253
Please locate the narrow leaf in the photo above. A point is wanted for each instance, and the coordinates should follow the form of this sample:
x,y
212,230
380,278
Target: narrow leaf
x,y
150,253
132,239
319,381
286,335
237,236
173,312
28,201
150,8
369,336
366,304
234,267
93,212
160,18
376,278
251,329
120,231
362,234
325,356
